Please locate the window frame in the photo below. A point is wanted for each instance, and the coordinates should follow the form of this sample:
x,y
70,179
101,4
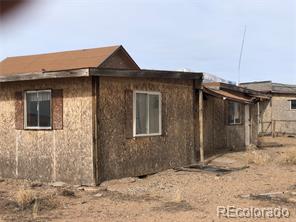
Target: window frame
x,y
292,109
135,92
25,111
240,107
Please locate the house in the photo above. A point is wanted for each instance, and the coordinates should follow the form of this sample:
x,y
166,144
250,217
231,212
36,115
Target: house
x,y
230,117
91,115
278,115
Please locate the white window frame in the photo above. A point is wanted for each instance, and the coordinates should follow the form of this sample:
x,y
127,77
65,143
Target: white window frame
x,y
25,110
291,105
135,92
239,113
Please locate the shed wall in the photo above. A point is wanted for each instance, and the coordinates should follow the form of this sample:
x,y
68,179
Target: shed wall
x,y
119,156
218,135
49,155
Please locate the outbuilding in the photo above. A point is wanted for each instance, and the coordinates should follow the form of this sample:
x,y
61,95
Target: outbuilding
x,y
229,117
277,115
91,115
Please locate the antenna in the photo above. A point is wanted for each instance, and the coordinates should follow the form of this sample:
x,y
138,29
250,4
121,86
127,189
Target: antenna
x,y
241,54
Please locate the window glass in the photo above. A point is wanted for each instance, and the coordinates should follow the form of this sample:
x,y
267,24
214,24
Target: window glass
x,y
234,116
44,109
38,112
147,113
141,113
154,114
32,109
293,104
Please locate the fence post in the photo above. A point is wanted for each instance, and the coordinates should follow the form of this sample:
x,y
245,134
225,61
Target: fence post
x,y
273,128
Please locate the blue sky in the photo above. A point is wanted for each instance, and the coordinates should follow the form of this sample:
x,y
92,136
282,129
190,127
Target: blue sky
x,y
201,35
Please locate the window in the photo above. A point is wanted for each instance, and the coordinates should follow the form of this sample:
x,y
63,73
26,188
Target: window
x,y
147,113
293,104
38,109
234,113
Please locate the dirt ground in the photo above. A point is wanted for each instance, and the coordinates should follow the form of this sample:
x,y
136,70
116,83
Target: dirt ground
x,y
172,195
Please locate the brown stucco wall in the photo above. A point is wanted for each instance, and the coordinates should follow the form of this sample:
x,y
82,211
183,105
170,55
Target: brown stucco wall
x,y
49,155
119,156
214,125
218,135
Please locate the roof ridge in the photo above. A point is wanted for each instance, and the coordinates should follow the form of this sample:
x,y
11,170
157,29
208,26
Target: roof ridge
x,y
57,52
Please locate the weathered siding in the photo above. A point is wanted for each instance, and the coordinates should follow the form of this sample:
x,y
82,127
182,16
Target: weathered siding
x,y
49,155
285,118
119,60
218,135
214,125
119,156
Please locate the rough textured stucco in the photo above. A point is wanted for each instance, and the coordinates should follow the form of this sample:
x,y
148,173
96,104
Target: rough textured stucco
x,y
214,125
61,155
119,156
217,134
285,117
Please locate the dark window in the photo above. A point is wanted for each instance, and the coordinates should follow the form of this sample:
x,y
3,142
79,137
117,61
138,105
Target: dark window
x,y
38,109
293,104
148,117
234,113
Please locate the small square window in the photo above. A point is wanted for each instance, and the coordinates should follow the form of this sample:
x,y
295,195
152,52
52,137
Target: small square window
x,y
293,104
234,113
38,109
147,113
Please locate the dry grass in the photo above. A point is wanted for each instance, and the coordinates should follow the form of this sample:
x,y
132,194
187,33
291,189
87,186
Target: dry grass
x,y
288,158
25,198
37,201
257,157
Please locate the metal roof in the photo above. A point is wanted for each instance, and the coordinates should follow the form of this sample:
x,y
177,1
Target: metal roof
x,y
232,96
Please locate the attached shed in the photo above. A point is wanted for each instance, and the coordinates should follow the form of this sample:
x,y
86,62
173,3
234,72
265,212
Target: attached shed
x,y
91,115
230,117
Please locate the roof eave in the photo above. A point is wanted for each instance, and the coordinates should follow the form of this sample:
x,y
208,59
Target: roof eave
x,y
84,72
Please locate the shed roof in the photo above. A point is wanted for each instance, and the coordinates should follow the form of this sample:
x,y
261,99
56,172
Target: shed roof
x,y
233,96
67,60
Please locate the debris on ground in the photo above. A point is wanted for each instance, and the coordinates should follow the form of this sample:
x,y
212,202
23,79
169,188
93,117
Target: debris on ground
x,y
67,193
210,168
269,145
58,184
286,197
36,184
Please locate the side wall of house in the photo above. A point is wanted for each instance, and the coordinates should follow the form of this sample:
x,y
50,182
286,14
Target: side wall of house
x,y
120,156
285,118
49,155
214,125
218,135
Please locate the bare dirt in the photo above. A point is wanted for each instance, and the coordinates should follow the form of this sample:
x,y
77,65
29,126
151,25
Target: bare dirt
x,y
167,196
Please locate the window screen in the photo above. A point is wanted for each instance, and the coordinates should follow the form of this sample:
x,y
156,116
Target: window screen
x,y
147,113
38,109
